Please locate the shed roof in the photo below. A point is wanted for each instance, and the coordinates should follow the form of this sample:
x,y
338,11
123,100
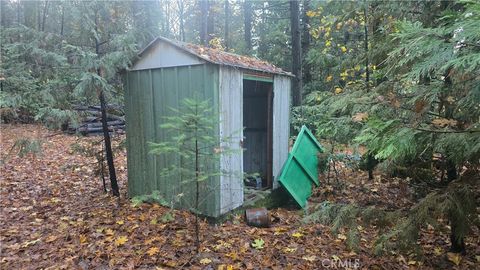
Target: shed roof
x,y
219,57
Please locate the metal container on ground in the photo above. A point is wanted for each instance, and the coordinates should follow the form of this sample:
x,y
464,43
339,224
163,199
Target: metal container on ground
x,y
257,217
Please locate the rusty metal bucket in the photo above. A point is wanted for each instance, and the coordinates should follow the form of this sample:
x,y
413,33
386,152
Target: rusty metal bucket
x,y
257,217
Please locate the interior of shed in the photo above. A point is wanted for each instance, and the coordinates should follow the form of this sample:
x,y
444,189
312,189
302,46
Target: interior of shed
x,y
257,123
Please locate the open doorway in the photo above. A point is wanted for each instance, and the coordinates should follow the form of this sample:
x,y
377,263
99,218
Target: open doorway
x,y
257,123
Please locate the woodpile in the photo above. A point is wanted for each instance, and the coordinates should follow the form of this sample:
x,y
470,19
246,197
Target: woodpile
x,y
91,120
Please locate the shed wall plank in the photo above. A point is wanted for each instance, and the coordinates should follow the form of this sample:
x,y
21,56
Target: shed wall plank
x,y
231,134
281,124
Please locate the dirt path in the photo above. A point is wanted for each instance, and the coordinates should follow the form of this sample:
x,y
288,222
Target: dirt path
x,y
55,215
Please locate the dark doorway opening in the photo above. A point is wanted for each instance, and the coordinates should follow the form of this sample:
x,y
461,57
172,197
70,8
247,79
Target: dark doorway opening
x,y
257,123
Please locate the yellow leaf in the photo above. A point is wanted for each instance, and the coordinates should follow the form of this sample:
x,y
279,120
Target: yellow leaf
x,y
438,251
328,43
121,240
120,222
338,90
341,236
310,13
297,235
329,78
83,239
205,261
279,230
335,258
310,258
411,262
454,258
344,49
232,255
229,267
289,250
152,251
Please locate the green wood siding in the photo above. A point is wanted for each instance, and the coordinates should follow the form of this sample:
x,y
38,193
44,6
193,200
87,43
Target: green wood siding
x,y
149,96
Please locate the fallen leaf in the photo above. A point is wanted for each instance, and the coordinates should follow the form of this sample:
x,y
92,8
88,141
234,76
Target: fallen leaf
x,y
205,261
454,258
297,234
438,251
121,240
31,243
83,239
310,258
258,243
341,236
152,251
289,250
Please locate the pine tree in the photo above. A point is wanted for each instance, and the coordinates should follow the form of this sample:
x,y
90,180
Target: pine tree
x,y
195,147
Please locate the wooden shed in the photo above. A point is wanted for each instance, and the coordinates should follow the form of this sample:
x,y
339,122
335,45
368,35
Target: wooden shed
x,y
251,97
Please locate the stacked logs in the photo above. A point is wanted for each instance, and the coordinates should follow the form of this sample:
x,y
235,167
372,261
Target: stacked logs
x,y
91,120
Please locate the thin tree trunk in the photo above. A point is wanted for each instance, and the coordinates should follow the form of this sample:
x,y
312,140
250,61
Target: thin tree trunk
x,y
18,12
106,134
203,21
306,39
44,17
296,52
181,10
227,25
63,19
197,193
367,71
370,158
3,8
210,21
247,10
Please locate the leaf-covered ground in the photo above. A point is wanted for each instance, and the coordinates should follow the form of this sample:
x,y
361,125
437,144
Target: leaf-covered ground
x,y
55,215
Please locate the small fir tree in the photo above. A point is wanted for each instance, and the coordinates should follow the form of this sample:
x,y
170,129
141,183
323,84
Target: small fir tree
x,y
195,149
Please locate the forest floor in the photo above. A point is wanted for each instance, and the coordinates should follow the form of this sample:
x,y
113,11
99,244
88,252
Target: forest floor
x,y
55,215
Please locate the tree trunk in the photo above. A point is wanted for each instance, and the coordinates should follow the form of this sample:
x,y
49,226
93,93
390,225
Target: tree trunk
x,y
457,243
181,11
29,14
106,134
210,21
370,158
367,72
203,21
44,17
247,11
3,7
306,39
296,53
227,24
18,12
63,19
